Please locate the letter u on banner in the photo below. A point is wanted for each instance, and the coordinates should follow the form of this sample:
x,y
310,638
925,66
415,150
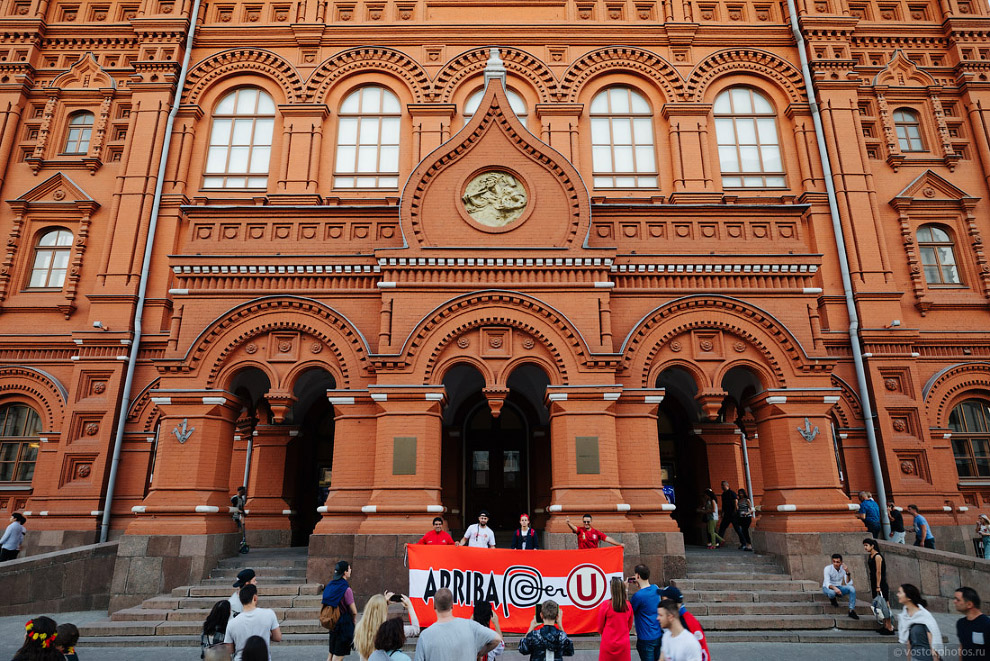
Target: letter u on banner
x,y
514,582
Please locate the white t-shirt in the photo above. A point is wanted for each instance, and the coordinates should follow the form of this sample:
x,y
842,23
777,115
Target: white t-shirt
x,y
235,603
257,622
683,647
479,537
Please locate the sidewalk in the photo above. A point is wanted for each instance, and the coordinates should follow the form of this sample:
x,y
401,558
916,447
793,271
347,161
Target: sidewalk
x,y
12,632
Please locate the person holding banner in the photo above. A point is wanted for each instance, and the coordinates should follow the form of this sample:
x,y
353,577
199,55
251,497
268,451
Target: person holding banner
x,y
525,537
550,638
588,537
438,535
615,621
479,535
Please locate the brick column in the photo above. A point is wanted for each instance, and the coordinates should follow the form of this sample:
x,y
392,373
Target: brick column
x,y
302,138
801,489
189,493
559,128
724,448
638,452
267,509
431,126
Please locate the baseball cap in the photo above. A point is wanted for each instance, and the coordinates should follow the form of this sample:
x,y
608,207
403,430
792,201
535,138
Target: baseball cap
x,y
670,592
244,577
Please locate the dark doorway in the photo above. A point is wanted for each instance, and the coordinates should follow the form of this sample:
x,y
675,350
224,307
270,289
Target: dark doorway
x,y
497,466
309,454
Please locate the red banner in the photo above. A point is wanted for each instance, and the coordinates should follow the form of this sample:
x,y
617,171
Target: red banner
x,y
514,582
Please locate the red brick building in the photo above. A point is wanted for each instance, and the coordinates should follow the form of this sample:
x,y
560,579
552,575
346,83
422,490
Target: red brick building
x,y
379,287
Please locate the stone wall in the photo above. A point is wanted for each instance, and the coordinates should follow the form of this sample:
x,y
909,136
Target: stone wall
x,y
72,580
149,565
936,573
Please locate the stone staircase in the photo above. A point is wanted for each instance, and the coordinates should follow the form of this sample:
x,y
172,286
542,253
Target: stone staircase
x,y
745,597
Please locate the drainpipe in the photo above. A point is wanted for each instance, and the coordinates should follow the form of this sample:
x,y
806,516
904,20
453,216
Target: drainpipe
x,y
149,243
840,245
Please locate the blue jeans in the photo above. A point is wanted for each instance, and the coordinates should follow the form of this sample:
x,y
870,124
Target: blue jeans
x,y
986,548
844,589
649,650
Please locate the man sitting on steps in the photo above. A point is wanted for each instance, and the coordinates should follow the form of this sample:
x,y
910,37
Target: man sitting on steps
x,y
838,581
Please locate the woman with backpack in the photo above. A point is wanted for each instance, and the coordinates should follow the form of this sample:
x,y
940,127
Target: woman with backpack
x,y
525,537
339,612
214,628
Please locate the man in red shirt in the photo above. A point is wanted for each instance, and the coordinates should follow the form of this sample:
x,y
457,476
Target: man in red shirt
x,y
588,537
689,621
438,535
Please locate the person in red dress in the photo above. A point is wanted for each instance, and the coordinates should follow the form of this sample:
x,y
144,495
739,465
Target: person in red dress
x,y
438,535
588,537
615,621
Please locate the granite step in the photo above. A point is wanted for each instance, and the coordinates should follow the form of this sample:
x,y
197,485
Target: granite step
x,y
816,636
719,596
220,592
589,642
729,585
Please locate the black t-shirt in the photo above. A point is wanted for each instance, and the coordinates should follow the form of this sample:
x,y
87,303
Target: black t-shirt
x,y
896,521
729,499
871,563
974,637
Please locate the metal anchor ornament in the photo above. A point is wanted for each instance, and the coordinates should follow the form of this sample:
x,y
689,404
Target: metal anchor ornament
x,y
807,432
183,431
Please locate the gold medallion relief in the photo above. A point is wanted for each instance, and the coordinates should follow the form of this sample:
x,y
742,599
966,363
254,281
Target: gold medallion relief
x,y
494,198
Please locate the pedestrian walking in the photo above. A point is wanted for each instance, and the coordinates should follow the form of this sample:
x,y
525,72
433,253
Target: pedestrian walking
x,y
916,628
479,535
729,502
615,621
588,537
255,649
438,535
869,513
10,543
688,620
451,638
550,638
983,530
389,639
66,639
338,594
252,621
644,602
525,537
214,628
39,641
973,629
922,531
838,582
244,577
677,643
486,617
879,592
239,502
709,512
896,523
744,515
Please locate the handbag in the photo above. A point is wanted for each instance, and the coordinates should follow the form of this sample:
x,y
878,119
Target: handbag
x,y
880,609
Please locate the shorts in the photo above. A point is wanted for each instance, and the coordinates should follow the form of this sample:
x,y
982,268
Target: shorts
x,y
341,642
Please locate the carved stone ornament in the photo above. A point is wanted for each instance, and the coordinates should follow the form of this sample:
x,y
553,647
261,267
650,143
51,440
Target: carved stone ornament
x,y
494,198
83,470
99,387
316,347
495,342
899,425
675,346
528,343
92,429
739,347
251,348
907,467
807,432
284,346
890,384
707,345
183,431
463,342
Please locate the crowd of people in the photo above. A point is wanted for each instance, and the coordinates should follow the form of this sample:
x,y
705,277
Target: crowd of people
x,y
44,640
737,511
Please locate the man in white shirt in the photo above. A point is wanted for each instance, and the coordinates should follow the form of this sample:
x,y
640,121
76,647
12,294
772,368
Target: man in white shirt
x,y
252,621
244,577
479,535
10,543
838,581
677,644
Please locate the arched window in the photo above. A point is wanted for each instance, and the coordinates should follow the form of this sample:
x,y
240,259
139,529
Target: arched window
x,y
368,139
970,425
241,140
622,150
51,259
937,256
78,134
20,427
908,127
517,103
748,145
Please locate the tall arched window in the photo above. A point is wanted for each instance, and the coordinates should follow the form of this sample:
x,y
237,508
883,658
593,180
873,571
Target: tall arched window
x,y
970,425
241,140
517,103
622,149
78,133
748,144
368,139
937,256
908,127
51,259
20,427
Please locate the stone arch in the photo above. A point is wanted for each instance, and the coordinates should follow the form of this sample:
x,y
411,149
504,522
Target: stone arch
x,y
761,371
39,387
701,380
227,372
618,59
849,409
949,386
365,59
234,328
472,62
749,61
143,411
289,382
771,339
239,60
499,308
445,365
